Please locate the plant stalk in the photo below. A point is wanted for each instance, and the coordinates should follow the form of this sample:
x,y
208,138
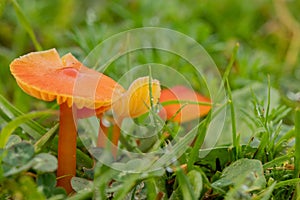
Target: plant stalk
x,y
66,147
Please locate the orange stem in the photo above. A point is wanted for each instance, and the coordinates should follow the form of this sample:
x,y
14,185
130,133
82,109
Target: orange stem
x,y
66,147
104,136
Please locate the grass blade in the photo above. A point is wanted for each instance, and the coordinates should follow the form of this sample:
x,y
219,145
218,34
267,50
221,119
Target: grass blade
x,y
297,148
235,138
185,185
8,112
198,143
11,126
45,138
26,25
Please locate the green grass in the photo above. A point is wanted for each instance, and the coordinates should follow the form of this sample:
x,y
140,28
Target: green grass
x,y
256,50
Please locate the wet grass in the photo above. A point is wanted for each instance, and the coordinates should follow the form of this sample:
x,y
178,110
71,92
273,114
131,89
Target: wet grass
x,y
256,49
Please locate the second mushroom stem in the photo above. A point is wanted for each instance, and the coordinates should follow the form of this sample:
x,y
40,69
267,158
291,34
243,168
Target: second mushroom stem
x,y
108,136
66,147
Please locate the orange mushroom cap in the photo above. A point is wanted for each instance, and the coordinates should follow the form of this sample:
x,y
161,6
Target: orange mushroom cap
x,y
136,100
46,76
186,112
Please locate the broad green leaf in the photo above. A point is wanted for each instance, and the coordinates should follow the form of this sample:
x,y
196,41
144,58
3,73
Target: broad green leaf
x,y
17,158
47,183
45,162
244,183
19,154
195,179
13,139
248,170
81,184
11,170
218,157
46,180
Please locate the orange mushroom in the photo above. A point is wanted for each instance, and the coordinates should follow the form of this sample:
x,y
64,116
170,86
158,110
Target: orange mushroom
x,y
179,111
46,76
134,102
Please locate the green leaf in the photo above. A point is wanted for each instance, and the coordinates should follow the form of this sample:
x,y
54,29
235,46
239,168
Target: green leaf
x,y
11,170
13,139
46,180
195,179
79,184
216,157
19,154
249,170
47,183
45,162
249,177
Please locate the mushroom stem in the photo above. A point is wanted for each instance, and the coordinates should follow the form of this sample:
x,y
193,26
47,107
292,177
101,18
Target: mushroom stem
x,y
66,147
105,135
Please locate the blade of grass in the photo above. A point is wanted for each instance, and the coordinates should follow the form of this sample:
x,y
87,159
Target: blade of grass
x,y
297,148
150,87
235,138
266,193
177,149
45,138
198,143
201,103
11,126
287,182
8,112
277,161
286,137
26,25
185,185
269,102
126,187
231,62
184,142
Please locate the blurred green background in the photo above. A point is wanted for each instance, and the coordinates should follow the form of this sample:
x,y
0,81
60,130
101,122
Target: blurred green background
x,y
268,33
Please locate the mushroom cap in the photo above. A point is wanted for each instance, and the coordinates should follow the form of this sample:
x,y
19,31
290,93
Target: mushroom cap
x,y
46,76
136,100
186,112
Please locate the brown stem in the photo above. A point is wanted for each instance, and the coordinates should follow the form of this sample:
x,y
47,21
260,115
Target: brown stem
x,y
66,147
